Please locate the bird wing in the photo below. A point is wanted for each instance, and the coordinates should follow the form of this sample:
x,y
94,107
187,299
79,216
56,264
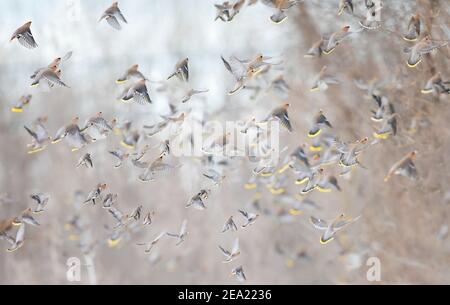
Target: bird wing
x,y
319,223
53,79
112,21
225,252
120,16
26,39
183,227
235,248
32,133
244,213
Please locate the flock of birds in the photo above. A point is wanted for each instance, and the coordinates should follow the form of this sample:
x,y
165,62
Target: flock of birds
x,y
308,163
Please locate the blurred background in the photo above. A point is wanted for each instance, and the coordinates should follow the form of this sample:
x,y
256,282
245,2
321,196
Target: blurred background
x,y
404,223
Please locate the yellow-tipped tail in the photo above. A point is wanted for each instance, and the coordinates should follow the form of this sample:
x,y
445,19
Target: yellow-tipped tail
x,y
315,148
295,212
324,242
16,110
113,243
126,145
409,39
277,191
329,51
284,168
314,134
381,136
301,181
323,190
250,186
33,151
414,65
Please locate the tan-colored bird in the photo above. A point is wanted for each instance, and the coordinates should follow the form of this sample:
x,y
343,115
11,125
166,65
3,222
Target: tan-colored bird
x,y
120,155
21,103
54,64
413,31
24,36
281,6
51,76
335,39
320,121
131,72
322,81
331,228
404,167
436,85
191,93
424,46
345,5
72,133
112,15
240,71
181,70
86,161
139,93
316,49
96,193
280,114
40,135
99,123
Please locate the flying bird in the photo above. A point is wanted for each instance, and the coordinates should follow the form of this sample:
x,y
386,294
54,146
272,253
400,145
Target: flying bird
x,y
96,193
112,15
138,93
229,225
73,134
19,240
40,135
181,70
41,200
23,101
198,200
331,228
238,272
413,31
233,254
424,46
24,36
404,167
320,121
182,234
281,7
132,72
86,161
249,217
